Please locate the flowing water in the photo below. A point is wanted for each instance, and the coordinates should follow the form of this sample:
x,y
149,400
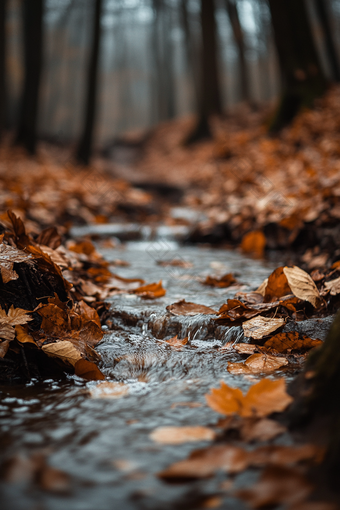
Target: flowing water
x,y
104,443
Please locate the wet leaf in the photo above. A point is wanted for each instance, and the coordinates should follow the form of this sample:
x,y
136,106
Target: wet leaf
x,y
224,281
258,327
302,285
179,435
256,364
262,399
186,308
287,342
276,485
276,287
63,350
245,348
176,342
23,336
205,462
235,310
151,291
88,370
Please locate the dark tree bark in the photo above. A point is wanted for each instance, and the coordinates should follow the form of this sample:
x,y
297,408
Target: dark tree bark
x,y
332,55
33,53
231,6
210,101
302,73
317,407
2,65
84,150
190,51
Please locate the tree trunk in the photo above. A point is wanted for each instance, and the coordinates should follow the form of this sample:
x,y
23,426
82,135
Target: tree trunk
x,y
302,73
190,52
2,65
84,150
322,11
317,406
33,46
210,95
239,40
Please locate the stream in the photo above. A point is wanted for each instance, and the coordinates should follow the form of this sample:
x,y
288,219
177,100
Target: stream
x,y
104,443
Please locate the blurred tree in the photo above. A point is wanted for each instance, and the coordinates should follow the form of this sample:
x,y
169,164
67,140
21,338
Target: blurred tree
x,y
210,101
232,10
190,50
84,150
33,53
301,70
2,65
323,14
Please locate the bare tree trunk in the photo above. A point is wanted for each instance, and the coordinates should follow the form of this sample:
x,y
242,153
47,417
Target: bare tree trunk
x,y
303,76
2,64
231,6
33,52
190,53
332,55
84,150
210,101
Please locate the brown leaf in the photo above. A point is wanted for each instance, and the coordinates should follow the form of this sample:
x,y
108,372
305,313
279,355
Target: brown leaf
x,y
277,286
245,348
9,256
7,332
258,327
224,281
302,285
276,485
235,310
179,435
256,364
333,286
254,242
205,462
63,350
3,347
88,370
175,342
264,429
287,342
186,308
49,237
175,263
284,455
15,316
151,291
23,336
262,399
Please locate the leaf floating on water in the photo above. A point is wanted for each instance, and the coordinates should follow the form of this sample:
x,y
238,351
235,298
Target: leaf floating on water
x,y
186,308
262,399
258,327
302,285
151,291
224,281
179,435
176,342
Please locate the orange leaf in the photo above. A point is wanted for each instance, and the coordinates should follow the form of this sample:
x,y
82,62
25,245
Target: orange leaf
x,y
151,291
225,281
88,370
254,242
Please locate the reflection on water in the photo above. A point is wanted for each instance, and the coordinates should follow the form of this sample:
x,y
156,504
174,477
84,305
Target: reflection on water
x,y
104,444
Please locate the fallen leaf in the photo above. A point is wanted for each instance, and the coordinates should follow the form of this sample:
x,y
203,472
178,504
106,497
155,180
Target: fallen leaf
x,y
9,256
264,429
7,332
275,486
333,286
302,285
179,435
176,342
254,242
235,310
284,455
186,308
205,462
88,370
109,389
287,342
257,363
262,399
3,347
15,316
23,336
224,281
245,348
258,327
151,291
63,350
276,287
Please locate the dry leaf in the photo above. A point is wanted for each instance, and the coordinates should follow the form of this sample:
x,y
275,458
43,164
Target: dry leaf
x,y
3,347
262,399
15,316
235,310
205,462
63,350
258,327
256,364
302,285
224,281
333,286
186,308
179,435
9,256
254,243
276,287
245,348
7,332
23,336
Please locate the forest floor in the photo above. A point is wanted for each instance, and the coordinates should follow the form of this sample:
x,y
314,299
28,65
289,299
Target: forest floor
x,y
65,310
